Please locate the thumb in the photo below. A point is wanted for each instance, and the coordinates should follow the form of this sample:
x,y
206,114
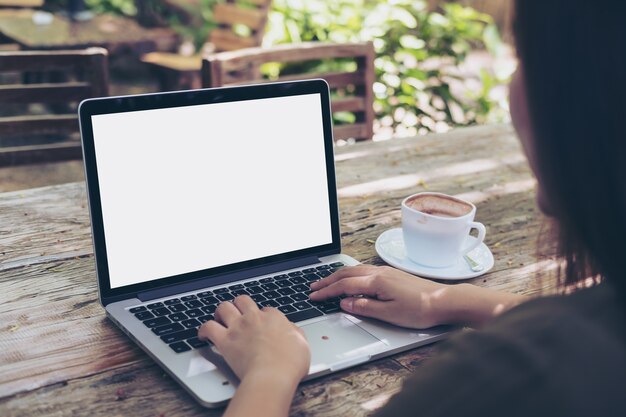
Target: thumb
x,y
367,307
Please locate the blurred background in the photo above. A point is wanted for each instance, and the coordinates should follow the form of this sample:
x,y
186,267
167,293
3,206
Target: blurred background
x,y
438,64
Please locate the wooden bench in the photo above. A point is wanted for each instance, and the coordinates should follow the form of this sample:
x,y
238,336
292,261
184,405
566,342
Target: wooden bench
x,y
44,92
351,91
177,71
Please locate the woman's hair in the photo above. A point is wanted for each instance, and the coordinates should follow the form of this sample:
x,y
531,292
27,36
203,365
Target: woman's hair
x,y
573,56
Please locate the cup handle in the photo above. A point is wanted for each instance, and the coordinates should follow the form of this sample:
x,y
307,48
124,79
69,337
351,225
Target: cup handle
x,y
481,236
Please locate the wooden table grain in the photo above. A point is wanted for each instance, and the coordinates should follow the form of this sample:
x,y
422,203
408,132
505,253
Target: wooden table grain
x,y
115,33
60,356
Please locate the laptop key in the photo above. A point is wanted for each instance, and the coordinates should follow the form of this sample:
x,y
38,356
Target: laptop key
x,y
295,273
284,283
204,319
301,288
167,328
240,292
304,315
178,317
309,270
251,283
177,308
329,308
322,267
171,302
258,298
324,274
161,311
271,294
302,305
287,309
137,309
159,321
188,297
220,290
181,335
210,300
268,287
204,294
193,304
266,280
196,343
334,300
236,287
286,291
337,264
155,305
299,297
255,290
209,309
194,313
269,303
311,277
284,301
281,277
180,347
225,297
144,315
191,323
297,280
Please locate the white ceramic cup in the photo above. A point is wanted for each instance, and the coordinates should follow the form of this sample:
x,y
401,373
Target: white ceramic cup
x,y
437,241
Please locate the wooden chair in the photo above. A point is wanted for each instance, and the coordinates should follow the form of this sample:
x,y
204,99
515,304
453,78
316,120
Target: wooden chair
x,y
38,121
177,71
350,91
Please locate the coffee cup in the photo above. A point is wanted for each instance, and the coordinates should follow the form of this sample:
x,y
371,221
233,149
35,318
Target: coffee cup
x,y
435,228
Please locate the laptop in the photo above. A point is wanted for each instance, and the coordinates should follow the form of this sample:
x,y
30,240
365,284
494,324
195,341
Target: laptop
x,y
199,196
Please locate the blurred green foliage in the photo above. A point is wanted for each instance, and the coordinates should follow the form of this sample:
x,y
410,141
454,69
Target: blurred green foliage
x,y
419,86
126,7
418,55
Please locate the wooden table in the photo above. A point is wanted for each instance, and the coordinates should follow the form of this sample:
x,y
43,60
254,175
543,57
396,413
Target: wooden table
x,y
114,33
21,3
60,356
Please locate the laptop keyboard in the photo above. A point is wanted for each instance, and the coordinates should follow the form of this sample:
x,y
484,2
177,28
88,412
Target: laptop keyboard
x,y
176,320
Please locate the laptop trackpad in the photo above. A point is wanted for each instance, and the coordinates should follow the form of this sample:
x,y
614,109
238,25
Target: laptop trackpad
x,y
338,343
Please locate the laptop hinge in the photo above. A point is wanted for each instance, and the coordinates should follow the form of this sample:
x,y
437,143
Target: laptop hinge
x,y
224,278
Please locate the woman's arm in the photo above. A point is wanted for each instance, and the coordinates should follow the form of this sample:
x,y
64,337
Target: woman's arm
x,y
262,393
268,353
405,300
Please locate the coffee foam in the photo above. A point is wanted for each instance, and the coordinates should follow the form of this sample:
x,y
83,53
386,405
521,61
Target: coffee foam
x,y
439,205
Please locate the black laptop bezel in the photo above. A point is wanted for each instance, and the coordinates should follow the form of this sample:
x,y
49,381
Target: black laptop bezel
x,y
121,104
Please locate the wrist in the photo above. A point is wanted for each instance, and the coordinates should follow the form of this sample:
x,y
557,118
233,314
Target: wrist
x,y
263,391
280,378
444,304
470,305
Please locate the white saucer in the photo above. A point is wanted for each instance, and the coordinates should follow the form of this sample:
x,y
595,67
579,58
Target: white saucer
x,y
390,247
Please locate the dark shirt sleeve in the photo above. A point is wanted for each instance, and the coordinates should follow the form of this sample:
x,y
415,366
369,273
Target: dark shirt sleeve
x,y
474,375
539,359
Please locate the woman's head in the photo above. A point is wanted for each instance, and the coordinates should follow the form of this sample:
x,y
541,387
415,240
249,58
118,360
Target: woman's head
x,y
569,105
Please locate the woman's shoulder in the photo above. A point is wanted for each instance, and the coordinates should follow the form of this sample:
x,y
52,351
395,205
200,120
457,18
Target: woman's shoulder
x,y
557,355
596,312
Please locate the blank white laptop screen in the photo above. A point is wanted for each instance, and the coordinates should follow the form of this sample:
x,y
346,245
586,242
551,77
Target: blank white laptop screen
x,y
189,188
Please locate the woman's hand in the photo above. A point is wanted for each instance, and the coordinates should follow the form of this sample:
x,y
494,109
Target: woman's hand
x,y
399,298
388,294
254,341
